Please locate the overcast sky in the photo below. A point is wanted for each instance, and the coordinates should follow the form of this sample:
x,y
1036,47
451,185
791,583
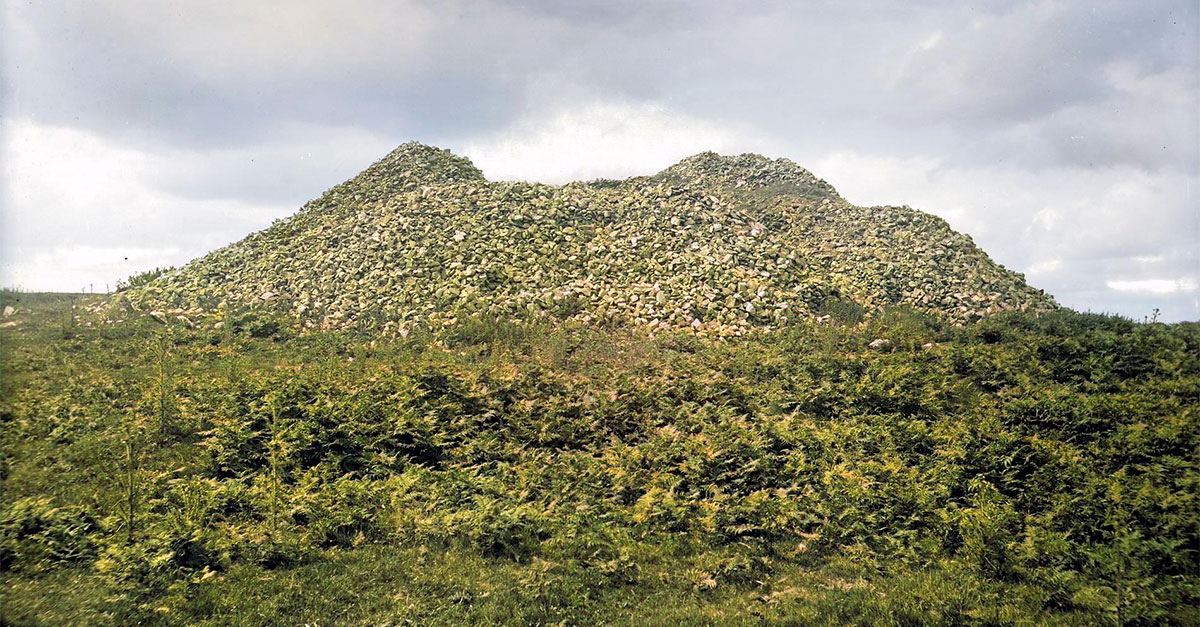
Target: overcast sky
x,y
1064,137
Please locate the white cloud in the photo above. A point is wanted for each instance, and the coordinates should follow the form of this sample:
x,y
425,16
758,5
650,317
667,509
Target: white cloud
x,y
919,181
79,210
1045,267
601,140
1154,286
900,69
226,39
83,268
1048,218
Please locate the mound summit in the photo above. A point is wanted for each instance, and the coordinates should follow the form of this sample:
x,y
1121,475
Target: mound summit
x,y
717,244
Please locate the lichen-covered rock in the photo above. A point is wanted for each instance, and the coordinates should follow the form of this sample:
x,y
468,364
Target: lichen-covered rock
x,y
719,245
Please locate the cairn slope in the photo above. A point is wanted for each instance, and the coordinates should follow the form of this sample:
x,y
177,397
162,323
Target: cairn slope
x,y
720,245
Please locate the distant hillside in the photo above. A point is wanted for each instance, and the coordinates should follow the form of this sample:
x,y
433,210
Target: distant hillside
x,y
714,243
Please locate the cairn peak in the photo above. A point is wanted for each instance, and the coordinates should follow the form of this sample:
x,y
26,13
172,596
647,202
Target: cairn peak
x,y
410,166
414,160
414,163
749,172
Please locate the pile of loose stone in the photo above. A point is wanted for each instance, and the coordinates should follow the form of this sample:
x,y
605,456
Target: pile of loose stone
x,y
716,245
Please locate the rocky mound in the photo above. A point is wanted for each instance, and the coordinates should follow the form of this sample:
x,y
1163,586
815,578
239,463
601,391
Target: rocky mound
x,y
715,244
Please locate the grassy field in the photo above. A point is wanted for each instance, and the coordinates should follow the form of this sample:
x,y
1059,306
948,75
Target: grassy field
x,y
1022,470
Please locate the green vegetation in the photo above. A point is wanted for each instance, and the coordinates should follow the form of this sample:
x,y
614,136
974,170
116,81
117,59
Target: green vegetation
x,y
142,278
1023,469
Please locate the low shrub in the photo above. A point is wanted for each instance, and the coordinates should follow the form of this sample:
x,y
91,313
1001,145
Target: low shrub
x,y
34,535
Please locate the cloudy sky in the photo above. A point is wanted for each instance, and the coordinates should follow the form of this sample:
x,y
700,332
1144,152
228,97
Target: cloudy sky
x,y
1064,137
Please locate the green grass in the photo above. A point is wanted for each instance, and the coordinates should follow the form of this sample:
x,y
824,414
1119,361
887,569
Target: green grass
x,y
1022,470
397,585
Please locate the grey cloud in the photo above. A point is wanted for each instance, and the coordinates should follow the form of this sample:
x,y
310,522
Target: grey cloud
x,y
1084,285
612,13
94,69
1028,61
846,75
298,165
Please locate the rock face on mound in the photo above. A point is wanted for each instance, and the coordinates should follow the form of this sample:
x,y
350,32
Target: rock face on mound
x,y
716,244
